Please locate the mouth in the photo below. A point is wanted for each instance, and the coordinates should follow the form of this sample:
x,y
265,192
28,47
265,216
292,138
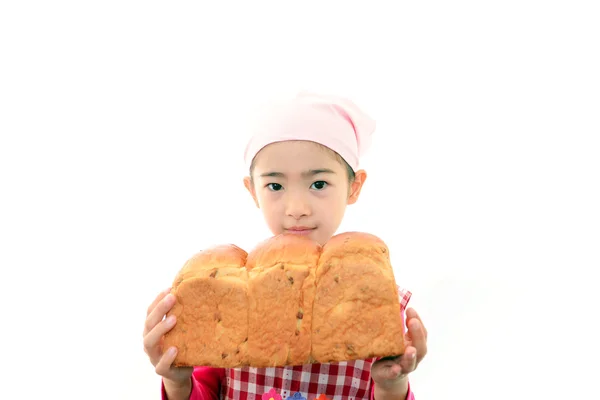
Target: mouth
x,y
300,230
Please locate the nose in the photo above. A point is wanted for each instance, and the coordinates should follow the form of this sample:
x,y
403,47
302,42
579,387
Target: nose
x,y
297,207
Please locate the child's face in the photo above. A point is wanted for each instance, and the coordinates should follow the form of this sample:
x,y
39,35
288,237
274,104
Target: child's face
x,y
302,188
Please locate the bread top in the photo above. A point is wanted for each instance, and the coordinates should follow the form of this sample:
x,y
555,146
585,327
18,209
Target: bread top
x,y
222,260
349,243
231,260
284,248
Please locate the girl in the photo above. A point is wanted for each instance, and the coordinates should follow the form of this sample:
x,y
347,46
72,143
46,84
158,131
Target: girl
x,y
303,172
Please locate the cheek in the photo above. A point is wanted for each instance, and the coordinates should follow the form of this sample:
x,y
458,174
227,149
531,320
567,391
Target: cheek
x,y
335,204
269,203
342,203
341,198
265,198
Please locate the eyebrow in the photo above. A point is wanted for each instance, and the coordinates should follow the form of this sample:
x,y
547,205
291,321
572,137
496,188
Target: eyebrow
x,y
309,173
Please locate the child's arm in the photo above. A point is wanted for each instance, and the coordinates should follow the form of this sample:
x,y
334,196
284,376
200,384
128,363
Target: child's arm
x,y
204,384
401,392
176,391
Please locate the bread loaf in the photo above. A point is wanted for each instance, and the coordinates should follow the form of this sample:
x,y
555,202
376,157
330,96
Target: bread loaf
x,y
289,301
211,309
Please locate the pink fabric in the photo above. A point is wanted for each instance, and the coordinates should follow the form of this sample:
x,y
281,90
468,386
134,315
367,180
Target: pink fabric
x,y
334,122
303,382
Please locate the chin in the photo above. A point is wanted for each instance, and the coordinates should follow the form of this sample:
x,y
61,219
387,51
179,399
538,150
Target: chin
x,y
320,238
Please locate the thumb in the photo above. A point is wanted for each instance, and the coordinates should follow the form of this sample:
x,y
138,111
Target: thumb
x,y
386,371
394,371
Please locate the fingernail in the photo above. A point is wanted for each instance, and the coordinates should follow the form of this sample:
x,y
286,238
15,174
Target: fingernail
x,y
172,351
170,320
412,356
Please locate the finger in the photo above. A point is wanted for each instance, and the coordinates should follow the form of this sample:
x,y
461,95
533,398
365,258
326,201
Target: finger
x,y
159,312
392,372
153,338
419,339
163,366
158,298
385,370
395,370
408,362
407,337
412,313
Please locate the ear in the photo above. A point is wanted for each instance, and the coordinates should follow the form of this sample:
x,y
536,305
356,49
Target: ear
x,y
360,177
250,187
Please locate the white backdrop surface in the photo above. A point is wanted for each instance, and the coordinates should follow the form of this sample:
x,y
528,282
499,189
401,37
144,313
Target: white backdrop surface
x,y
122,126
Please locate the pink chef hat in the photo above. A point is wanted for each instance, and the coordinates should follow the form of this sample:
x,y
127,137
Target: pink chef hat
x,y
334,122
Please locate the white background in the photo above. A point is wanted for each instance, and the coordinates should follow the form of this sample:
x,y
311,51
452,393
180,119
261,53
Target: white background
x,y
122,129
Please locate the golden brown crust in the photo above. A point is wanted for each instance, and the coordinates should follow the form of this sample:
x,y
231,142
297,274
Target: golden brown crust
x,y
211,307
287,302
281,287
356,313
284,248
207,261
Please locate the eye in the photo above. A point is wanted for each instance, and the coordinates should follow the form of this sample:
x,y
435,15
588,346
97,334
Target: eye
x,y
274,187
319,185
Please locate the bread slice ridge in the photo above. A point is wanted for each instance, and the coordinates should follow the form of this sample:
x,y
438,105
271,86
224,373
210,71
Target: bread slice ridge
x,y
356,313
281,288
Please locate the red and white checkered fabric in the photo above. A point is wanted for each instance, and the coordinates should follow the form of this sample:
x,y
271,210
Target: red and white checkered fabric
x,y
344,380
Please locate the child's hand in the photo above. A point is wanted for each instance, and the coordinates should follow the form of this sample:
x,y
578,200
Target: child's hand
x,y
154,330
390,373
